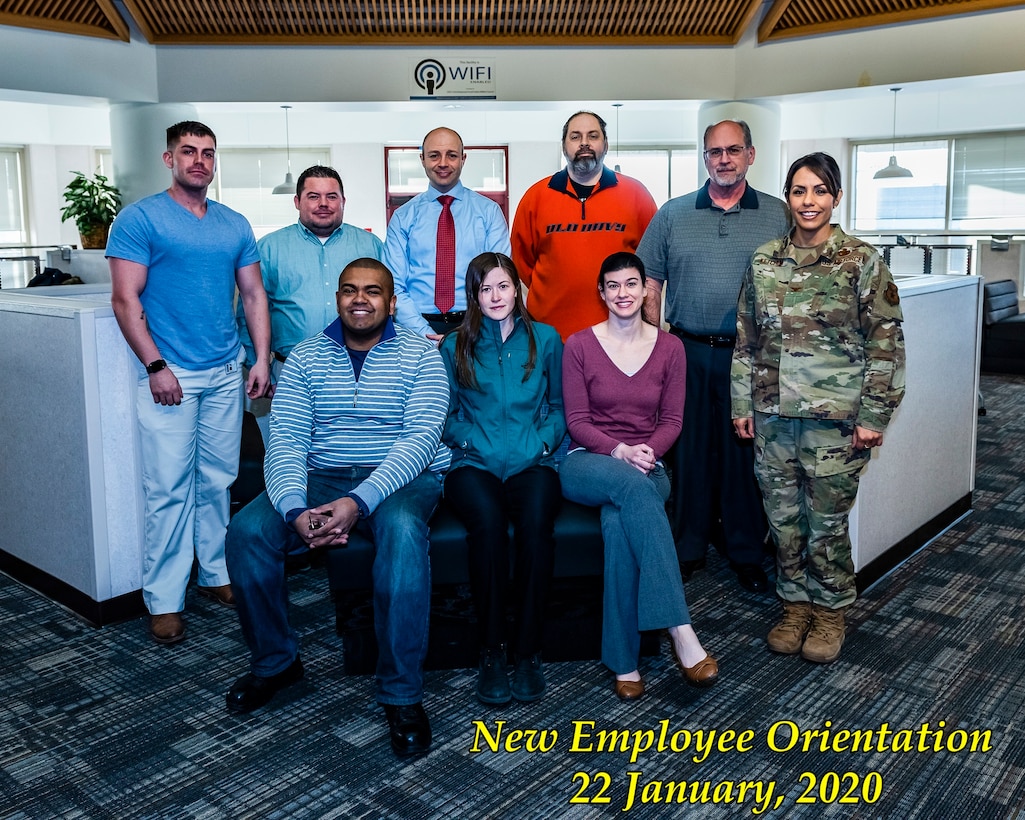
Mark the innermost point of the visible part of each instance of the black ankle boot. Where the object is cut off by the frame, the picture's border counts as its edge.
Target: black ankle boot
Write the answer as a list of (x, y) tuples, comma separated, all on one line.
[(492, 680)]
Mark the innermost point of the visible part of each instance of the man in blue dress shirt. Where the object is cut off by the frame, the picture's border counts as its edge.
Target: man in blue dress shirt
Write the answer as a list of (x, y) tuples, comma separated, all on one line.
[(411, 248), (300, 264)]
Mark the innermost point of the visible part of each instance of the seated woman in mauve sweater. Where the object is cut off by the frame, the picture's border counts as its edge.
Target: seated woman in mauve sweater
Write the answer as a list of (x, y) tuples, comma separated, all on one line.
[(623, 389)]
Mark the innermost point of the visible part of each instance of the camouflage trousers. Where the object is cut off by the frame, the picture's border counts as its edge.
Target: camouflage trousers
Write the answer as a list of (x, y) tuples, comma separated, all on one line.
[(808, 473)]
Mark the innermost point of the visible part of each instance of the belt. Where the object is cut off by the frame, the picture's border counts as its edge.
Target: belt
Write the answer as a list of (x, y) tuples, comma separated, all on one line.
[(453, 317), (711, 341), (280, 357)]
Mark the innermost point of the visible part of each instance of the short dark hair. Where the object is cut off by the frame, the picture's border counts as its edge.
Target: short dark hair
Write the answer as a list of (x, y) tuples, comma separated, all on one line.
[(748, 143), (601, 124), (318, 172), (621, 260), (187, 127), (820, 164), (368, 263)]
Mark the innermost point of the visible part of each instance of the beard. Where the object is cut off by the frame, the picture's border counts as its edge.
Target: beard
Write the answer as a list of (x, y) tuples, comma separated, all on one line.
[(584, 165)]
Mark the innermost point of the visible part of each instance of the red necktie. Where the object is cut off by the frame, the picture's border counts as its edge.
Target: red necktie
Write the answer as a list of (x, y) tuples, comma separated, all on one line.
[(445, 266)]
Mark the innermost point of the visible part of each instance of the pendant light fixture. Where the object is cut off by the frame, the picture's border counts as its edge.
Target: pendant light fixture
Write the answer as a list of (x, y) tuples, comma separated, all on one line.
[(288, 186), (617, 106), (893, 170)]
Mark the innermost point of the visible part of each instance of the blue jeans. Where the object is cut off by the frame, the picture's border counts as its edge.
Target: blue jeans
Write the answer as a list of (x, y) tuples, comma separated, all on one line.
[(259, 540), (643, 588)]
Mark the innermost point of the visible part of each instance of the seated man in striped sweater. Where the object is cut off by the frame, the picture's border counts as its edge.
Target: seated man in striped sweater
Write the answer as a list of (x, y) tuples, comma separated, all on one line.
[(355, 446)]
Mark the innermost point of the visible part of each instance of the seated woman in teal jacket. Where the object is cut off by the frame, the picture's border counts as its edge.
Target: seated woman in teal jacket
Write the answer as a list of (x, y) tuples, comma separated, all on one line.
[(505, 420)]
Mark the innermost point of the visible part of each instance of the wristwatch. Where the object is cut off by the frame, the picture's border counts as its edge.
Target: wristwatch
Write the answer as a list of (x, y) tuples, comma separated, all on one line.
[(155, 366)]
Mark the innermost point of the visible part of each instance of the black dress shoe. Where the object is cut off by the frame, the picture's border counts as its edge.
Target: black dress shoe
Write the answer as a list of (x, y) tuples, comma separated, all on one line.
[(409, 728), (251, 691), (492, 679), (752, 577), (688, 568), (528, 679)]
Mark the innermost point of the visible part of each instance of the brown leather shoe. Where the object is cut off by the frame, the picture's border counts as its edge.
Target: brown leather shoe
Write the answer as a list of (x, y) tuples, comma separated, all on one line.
[(703, 674), (221, 595), (629, 689), (167, 628)]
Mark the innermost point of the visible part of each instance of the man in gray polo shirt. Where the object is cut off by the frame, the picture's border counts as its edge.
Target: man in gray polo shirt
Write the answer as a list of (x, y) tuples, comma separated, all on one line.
[(698, 246)]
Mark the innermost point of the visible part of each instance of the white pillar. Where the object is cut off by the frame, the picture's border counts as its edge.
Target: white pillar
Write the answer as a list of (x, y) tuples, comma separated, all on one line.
[(763, 118), (138, 139)]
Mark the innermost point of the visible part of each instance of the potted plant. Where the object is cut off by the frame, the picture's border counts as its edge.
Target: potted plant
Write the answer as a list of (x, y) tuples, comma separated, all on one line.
[(93, 203)]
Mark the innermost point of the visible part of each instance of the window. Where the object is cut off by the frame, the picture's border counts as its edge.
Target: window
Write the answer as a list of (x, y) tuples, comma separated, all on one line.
[(902, 204), (486, 171), (246, 177), (988, 183), (970, 184), (666, 171), (12, 198)]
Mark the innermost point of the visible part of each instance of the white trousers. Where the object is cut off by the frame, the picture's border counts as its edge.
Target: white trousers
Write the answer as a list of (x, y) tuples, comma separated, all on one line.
[(190, 455)]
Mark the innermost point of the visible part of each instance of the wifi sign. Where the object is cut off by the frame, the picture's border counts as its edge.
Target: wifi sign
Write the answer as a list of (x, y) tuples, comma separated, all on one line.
[(461, 78)]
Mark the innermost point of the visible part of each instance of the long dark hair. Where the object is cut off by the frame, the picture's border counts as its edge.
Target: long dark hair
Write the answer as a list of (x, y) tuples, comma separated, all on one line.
[(468, 333)]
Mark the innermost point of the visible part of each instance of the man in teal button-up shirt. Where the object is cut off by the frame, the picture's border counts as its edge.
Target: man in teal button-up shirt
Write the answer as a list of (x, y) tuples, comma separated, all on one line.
[(300, 266)]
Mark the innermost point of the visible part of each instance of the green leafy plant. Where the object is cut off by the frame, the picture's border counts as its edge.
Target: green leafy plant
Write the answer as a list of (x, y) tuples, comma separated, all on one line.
[(93, 203)]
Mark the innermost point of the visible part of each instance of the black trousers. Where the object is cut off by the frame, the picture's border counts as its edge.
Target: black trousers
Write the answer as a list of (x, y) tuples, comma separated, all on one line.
[(485, 505), (715, 495)]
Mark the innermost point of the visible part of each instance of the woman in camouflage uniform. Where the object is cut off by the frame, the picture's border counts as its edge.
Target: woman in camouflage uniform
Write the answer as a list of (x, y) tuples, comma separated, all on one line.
[(818, 369)]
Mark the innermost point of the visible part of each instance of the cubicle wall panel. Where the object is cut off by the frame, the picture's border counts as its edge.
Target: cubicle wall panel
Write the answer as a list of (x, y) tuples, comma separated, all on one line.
[(118, 498), (926, 465), (45, 504)]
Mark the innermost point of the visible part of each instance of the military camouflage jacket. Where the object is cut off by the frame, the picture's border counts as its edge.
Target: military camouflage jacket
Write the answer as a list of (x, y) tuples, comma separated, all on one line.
[(819, 334)]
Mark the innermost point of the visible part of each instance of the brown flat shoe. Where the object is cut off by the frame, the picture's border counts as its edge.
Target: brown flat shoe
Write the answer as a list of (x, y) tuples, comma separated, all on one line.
[(704, 673), (167, 628), (629, 689), (221, 595)]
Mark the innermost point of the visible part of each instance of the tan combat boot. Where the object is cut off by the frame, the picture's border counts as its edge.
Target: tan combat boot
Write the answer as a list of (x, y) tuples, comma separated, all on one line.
[(787, 636), (825, 637)]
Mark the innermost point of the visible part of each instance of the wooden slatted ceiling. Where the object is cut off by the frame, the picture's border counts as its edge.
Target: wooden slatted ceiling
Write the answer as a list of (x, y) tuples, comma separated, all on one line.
[(94, 18), (478, 22), (803, 18), (412, 22)]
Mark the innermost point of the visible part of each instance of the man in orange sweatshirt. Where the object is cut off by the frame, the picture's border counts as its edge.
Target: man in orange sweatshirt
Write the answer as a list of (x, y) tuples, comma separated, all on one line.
[(568, 223)]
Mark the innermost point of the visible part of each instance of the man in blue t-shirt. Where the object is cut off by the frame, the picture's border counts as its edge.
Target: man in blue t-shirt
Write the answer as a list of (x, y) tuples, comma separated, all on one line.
[(175, 261)]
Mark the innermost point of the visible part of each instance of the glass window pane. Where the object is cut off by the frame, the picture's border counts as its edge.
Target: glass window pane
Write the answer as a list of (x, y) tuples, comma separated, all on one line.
[(988, 183), (12, 198), (916, 203), (683, 171), (484, 170), (650, 166), (245, 179)]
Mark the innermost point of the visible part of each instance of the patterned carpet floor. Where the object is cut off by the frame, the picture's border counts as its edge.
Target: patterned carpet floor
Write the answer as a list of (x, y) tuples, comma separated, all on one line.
[(102, 723)]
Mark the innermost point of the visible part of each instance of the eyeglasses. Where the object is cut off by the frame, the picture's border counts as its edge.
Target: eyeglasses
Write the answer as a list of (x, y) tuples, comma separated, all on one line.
[(733, 151)]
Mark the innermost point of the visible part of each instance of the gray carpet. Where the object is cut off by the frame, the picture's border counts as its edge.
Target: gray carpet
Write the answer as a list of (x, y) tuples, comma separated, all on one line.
[(105, 724)]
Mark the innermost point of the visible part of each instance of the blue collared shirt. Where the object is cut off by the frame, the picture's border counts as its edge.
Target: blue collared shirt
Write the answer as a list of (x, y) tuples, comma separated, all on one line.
[(411, 248), (300, 275)]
